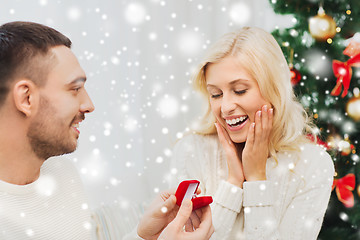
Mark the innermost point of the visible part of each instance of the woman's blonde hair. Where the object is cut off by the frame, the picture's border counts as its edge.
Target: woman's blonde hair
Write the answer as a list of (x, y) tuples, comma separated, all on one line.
[(260, 55)]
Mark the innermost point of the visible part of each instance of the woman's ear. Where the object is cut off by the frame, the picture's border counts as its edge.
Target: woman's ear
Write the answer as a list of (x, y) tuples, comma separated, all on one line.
[(25, 96)]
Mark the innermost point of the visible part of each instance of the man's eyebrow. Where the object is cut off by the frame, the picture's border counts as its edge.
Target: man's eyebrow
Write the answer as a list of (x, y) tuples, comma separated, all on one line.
[(79, 79)]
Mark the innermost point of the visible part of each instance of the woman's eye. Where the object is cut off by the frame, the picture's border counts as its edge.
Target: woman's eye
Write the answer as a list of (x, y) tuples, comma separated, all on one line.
[(216, 95), (240, 92)]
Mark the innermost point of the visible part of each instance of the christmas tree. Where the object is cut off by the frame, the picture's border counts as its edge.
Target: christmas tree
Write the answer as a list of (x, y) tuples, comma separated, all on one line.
[(323, 52)]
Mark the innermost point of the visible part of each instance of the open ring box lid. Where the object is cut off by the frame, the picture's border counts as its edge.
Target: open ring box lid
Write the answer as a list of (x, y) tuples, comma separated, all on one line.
[(187, 190)]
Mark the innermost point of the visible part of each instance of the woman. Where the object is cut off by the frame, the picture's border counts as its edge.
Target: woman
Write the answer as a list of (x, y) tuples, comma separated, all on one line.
[(252, 154)]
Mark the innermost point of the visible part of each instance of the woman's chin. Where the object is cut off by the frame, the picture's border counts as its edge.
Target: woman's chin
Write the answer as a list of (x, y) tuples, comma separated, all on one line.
[(237, 139)]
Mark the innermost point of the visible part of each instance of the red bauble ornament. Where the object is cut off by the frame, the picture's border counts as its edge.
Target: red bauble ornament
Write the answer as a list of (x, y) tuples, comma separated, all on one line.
[(295, 76)]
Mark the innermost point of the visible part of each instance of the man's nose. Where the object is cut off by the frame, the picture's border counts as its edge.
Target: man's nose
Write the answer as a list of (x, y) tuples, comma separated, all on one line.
[(87, 106)]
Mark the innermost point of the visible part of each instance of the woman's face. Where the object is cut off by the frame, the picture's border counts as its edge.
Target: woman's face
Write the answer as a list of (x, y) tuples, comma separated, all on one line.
[(234, 97)]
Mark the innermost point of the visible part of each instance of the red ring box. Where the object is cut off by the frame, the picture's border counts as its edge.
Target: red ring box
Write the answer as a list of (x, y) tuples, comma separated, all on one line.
[(187, 190)]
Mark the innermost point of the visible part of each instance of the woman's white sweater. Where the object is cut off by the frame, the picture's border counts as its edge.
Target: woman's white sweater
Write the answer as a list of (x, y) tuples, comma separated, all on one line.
[(290, 204)]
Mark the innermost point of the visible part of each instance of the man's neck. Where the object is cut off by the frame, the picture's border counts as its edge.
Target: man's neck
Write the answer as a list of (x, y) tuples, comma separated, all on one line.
[(19, 170), (18, 163)]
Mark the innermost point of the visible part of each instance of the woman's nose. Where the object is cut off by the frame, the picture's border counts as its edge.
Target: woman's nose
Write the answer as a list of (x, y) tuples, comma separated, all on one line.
[(228, 105)]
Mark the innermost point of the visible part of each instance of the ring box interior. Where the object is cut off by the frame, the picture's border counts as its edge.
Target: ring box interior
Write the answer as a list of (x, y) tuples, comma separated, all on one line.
[(187, 190)]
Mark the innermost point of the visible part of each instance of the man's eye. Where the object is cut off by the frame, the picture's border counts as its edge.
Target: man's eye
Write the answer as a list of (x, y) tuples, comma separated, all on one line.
[(77, 89)]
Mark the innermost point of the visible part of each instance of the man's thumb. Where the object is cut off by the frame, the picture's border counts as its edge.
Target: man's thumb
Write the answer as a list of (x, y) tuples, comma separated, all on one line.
[(183, 214)]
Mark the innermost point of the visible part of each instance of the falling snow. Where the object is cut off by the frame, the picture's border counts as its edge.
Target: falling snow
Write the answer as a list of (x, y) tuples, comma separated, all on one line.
[(139, 57)]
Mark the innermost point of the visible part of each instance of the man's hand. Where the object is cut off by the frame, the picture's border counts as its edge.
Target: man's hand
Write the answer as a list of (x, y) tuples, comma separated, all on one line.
[(202, 230), (164, 217), (158, 215)]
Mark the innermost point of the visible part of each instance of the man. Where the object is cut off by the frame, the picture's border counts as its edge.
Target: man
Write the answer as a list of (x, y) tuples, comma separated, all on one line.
[(42, 102)]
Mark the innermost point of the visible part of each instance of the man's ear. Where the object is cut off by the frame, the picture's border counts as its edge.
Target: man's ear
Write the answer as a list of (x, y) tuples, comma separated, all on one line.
[(25, 96)]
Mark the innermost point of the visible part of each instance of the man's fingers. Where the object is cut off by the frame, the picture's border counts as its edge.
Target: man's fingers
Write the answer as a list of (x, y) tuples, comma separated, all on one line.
[(183, 214), (189, 226), (168, 205), (167, 193), (195, 219), (199, 212), (205, 228), (206, 214)]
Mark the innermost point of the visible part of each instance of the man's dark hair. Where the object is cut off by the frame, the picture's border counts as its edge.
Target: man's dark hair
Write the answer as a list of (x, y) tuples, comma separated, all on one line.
[(24, 53)]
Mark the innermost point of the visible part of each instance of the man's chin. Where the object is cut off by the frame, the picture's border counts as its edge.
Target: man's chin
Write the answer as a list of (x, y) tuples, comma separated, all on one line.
[(60, 151), (72, 148)]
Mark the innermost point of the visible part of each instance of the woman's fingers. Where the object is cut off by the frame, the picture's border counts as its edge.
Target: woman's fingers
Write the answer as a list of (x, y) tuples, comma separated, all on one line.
[(255, 152), (258, 127), (250, 137), (270, 119), (225, 140), (223, 135), (264, 118), (227, 143), (236, 175), (263, 125)]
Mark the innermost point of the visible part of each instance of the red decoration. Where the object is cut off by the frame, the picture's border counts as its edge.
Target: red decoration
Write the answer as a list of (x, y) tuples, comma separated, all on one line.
[(346, 152), (344, 187), (352, 49), (343, 72), (187, 189), (319, 141), (295, 76)]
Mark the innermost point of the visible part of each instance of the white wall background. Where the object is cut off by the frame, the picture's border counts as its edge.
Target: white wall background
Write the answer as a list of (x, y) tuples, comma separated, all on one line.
[(138, 56)]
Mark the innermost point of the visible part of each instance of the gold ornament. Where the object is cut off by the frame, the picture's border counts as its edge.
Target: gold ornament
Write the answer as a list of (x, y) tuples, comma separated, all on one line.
[(344, 146), (358, 190), (322, 27), (333, 141), (353, 106)]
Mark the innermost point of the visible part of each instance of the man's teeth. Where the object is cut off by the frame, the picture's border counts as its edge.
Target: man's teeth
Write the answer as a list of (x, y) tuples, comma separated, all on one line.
[(76, 125), (236, 120)]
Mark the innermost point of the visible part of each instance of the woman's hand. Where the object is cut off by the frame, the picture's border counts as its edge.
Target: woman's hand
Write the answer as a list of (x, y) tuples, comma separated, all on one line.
[(236, 175), (252, 164), (256, 150)]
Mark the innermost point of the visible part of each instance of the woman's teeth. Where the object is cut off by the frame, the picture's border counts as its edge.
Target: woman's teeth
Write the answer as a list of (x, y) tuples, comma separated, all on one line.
[(236, 121)]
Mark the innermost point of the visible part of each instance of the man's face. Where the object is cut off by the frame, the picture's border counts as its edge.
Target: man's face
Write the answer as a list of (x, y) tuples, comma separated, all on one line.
[(63, 104)]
